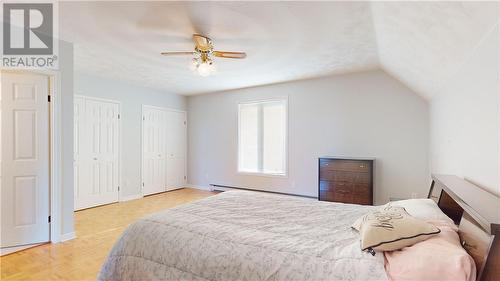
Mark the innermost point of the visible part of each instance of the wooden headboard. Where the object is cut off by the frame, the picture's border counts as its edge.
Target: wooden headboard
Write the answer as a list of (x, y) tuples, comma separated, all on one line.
[(477, 214)]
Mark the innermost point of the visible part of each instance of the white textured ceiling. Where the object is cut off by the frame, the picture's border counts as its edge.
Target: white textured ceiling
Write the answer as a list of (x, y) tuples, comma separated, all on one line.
[(420, 43), (424, 43), (283, 41)]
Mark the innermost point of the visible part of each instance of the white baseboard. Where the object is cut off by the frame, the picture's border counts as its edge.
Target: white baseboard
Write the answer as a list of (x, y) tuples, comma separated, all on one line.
[(130, 197), (67, 236), (201, 187), (10, 250)]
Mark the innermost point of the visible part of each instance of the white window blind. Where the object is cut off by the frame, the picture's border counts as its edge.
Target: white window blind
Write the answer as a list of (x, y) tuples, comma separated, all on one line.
[(262, 133)]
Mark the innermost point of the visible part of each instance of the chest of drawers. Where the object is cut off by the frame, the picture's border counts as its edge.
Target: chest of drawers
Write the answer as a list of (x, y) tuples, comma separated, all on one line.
[(346, 180)]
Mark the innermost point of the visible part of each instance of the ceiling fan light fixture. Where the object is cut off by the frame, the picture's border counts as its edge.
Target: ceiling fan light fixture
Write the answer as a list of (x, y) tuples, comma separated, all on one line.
[(204, 51), (205, 68), (194, 65)]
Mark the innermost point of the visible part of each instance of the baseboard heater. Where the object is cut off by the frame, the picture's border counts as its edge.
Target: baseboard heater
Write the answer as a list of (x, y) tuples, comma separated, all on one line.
[(219, 186)]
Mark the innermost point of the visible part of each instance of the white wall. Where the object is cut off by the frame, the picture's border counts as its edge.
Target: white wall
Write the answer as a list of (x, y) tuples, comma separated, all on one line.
[(465, 118), (66, 103), (366, 114), (131, 98)]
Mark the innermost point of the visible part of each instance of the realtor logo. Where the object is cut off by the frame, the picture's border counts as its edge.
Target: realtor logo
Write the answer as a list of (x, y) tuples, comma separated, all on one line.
[(28, 29), (29, 35)]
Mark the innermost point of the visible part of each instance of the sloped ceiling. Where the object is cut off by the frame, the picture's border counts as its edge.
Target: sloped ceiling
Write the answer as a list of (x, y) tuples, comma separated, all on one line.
[(424, 43), (419, 43)]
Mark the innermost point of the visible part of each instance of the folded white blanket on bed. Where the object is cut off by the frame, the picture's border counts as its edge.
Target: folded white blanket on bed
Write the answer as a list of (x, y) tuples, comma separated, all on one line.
[(243, 235)]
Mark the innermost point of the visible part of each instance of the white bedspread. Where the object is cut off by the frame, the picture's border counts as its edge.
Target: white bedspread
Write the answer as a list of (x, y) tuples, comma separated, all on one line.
[(242, 235)]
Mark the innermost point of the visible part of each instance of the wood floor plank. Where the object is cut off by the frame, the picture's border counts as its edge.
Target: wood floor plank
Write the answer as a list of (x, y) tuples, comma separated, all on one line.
[(97, 229)]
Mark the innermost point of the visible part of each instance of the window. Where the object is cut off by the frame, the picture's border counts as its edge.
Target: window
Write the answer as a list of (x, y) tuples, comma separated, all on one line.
[(262, 133)]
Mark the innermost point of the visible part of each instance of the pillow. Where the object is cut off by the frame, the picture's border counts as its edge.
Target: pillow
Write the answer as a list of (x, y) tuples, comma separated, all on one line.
[(439, 258), (425, 209), (391, 228)]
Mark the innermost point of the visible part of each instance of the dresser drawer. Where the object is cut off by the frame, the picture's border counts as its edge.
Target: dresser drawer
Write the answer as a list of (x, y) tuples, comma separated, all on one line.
[(332, 175), (362, 189), (340, 186), (345, 165), (361, 200), (336, 196), (365, 178)]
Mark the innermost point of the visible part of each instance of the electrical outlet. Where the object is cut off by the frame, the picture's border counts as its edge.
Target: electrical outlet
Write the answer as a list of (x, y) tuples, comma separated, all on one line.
[(413, 195)]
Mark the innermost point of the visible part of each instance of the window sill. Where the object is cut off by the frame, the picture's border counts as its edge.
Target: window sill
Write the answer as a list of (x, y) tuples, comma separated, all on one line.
[(258, 174)]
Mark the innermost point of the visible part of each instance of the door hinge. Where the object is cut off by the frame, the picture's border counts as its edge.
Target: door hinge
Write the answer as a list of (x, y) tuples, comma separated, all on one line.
[(143, 118), (49, 219), (142, 184), (185, 177), (118, 116), (118, 188), (48, 98)]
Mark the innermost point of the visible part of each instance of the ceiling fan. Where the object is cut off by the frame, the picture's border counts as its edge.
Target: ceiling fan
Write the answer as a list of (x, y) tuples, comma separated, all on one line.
[(203, 53)]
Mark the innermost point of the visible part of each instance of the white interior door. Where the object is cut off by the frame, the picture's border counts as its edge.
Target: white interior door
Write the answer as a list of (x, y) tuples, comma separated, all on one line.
[(176, 149), (153, 150), (25, 159), (97, 152)]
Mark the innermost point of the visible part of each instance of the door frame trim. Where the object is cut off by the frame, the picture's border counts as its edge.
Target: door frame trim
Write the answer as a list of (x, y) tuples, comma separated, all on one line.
[(120, 137), (141, 187), (55, 153)]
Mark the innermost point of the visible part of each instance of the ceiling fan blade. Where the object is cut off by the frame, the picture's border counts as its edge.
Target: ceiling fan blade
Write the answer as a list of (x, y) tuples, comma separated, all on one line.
[(203, 43), (177, 53), (229, 55)]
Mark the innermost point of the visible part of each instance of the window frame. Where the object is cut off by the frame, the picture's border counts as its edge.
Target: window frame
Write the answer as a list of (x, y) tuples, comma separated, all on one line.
[(287, 126)]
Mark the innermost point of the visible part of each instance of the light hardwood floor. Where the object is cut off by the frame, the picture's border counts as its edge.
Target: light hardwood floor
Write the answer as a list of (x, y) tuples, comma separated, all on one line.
[(97, 229)]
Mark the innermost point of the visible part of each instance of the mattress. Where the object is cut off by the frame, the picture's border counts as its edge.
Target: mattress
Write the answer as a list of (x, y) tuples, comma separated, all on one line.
[(244, 235)]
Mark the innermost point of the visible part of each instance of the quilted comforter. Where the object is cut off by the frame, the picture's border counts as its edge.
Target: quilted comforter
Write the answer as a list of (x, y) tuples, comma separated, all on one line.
[(243, 235)]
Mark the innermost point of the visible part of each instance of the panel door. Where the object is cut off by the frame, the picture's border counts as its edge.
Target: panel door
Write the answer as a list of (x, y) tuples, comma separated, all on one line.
[(176, 149), (25, 159), (98, 153), (153, 148)]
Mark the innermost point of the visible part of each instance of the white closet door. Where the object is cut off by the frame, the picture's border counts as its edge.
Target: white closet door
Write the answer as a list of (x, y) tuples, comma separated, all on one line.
[(153, 149), (176, 149), (98, 153), (25, 163)]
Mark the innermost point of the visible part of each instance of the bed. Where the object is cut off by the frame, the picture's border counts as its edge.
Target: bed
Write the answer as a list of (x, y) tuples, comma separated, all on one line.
[(244, 235)]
